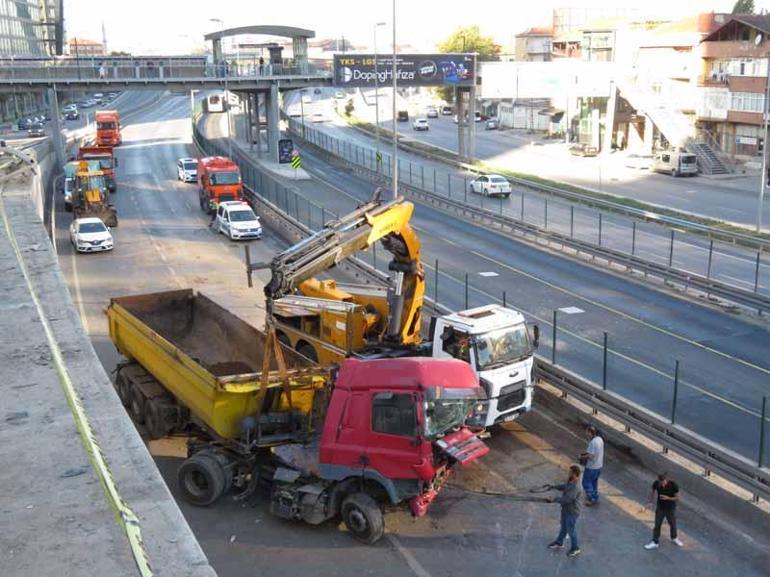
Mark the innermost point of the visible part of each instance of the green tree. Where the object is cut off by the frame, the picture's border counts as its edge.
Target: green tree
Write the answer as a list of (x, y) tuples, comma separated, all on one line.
[(467, 39), (743, 7)]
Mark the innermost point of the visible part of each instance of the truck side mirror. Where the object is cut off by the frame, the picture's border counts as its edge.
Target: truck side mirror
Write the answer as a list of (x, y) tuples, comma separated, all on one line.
[(535, 336)]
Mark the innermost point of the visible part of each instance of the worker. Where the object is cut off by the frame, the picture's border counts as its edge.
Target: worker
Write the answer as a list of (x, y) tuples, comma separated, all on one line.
[(593, 461), (570, 511), (665, 508)]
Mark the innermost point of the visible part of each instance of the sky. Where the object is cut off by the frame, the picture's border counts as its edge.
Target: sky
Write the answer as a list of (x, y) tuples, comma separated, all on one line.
[(178, 26)]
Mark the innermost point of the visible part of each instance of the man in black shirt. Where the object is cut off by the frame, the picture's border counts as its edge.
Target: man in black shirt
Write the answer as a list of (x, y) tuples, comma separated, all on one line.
[(668, 495)]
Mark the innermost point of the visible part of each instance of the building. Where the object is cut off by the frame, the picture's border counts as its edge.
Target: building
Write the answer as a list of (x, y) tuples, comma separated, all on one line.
[(84, 48), (568, 23), (732, 83), (28, 29), (533, 45)]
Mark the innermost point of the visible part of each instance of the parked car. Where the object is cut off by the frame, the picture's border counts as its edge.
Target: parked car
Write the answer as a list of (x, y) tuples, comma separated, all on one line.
[(236, 220), (187, 170), (36, 130), (583, 149), (24, 123), (675, 163), (492, 124), (491, 185), (447, 111), (431, 112), (90, 235), (420, 124)]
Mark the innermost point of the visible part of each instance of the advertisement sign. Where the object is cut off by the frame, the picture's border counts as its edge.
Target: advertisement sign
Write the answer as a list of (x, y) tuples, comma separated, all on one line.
[(357, 70), (285, 150)]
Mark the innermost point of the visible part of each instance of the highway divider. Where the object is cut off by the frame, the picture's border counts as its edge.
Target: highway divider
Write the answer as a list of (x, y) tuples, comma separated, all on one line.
[(495, 219), (293, 216)]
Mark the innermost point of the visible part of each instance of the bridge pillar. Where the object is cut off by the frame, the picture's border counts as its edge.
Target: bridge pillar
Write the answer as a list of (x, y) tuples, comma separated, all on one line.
[(609, 120), (258, 124), (460, 111), (56, 135), (273, 118)]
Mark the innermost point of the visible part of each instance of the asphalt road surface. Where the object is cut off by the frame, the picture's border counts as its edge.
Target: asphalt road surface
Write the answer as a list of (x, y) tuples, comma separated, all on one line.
[(163, 242)]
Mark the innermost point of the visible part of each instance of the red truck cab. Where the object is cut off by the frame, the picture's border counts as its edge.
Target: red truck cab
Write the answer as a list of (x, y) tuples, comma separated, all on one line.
[(107, 162), (108, 128), (219, 179)]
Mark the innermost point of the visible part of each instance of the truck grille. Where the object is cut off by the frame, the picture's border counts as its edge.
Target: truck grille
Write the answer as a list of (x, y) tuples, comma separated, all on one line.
[(511, 396)]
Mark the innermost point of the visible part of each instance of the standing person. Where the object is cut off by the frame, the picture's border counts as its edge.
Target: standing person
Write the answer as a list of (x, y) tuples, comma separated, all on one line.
[(102, 70), (261, 66), (570, 511), (665, 508), (593, 460)]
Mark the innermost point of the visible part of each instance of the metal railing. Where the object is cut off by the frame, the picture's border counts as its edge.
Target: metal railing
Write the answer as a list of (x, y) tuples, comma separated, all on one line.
[(295, 216), (424, 188)]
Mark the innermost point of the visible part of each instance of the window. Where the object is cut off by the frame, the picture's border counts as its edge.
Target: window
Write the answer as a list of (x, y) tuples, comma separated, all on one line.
[(666, 158), (457, 344), (747, 101), (394, 414)]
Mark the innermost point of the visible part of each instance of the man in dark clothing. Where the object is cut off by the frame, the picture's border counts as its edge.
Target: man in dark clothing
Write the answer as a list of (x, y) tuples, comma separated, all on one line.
[(668, 495), (570, 511)]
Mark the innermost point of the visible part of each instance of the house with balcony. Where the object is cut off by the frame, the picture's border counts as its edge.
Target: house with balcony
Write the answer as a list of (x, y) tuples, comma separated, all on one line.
[(732, 83), (533, 45)]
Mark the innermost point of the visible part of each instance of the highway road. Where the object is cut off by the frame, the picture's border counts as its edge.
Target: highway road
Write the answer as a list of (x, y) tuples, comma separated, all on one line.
[(722, 356), (732, 265), (163, 242)]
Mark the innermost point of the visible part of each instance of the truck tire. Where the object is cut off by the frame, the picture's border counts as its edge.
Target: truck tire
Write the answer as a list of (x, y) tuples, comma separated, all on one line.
[(137, 404), (123, 386), (363, 517), (154, 419), (201, 479)]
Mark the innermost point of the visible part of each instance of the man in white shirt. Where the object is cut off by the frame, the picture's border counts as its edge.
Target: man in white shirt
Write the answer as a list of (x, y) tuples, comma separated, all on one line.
[(594, 461)]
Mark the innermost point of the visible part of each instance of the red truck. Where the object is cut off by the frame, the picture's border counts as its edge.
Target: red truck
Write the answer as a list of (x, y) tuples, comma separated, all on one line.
[(108, 128), (107, 162), (219, 179)]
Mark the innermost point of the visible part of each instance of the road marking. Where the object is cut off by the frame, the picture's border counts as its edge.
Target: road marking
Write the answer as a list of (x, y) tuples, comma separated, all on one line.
[(488, 274), (78, 294), (410, 559)]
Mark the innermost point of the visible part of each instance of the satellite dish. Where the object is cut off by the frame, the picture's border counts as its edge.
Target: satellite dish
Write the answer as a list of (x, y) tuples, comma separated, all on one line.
[(758, 39)]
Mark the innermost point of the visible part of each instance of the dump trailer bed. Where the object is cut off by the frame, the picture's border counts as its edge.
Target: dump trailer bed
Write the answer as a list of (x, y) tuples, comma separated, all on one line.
[(208, 359)]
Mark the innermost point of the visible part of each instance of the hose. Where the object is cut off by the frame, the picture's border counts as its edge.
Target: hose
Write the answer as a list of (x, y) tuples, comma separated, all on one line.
[(525, 497)]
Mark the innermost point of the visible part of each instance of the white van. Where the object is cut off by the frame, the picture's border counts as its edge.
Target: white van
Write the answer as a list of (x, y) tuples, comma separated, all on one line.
[(236, 220), (675, 163)]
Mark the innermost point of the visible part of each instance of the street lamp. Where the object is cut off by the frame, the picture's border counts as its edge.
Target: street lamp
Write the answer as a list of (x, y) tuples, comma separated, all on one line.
[(376, 98), (302, 108), (227, 98), (766, 111), (395, 132)]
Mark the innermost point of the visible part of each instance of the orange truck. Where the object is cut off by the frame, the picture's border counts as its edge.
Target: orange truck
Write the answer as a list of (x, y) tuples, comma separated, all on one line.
[(219, 179), (108, 128), (107, 162)]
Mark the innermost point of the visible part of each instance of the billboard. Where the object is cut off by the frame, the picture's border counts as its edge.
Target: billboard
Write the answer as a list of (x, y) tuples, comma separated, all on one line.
[(357, 70)]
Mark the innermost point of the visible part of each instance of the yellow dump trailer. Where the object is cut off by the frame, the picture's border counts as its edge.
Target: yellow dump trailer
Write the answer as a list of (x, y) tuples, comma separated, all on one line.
[(193, 365)]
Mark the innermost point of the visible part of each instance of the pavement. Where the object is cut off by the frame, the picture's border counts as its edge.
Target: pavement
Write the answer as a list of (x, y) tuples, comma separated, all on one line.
[(56, 517)]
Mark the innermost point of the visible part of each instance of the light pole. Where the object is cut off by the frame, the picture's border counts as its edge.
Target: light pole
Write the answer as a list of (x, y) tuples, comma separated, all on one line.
[(763, 176), (227, 98), (377, 99), (395, 133), (302, 109)]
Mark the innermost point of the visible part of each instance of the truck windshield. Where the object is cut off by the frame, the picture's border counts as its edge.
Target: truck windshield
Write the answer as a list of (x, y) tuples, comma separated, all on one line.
[(105, 126), (446, 409), (502, 347), (225, 178)]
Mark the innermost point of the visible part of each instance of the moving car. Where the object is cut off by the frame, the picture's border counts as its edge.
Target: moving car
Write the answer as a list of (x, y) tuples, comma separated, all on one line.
[(420, 124), (236, 219), (187, 169), (90, 235), (675, 163), (339, 95), (431, 112), (36, 130), (447, 111), (72, 114), (318, 117), (492, 124), (402, 116), (583, 149), (491, 185)]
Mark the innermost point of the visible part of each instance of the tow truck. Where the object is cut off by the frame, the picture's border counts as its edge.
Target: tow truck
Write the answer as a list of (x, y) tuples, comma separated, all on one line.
[(326, 321)]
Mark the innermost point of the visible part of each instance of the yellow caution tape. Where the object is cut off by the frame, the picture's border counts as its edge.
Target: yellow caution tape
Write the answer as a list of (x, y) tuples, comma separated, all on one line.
[(123, 513)]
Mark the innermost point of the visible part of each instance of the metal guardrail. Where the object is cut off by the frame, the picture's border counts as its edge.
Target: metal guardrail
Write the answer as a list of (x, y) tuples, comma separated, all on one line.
[(508, 225), (709, 455)]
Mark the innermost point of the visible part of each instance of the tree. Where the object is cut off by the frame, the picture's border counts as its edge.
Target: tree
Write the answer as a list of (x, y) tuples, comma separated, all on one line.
[(743, 7), (467, 39)]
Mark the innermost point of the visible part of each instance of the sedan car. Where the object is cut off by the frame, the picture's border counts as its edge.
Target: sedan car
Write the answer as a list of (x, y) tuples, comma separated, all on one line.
[(187, 170), (318, 117), (72, 114), (420, 124), (492, 124), (583, 149), (491, 185), (36, 130), (431, 112), (90, 235)]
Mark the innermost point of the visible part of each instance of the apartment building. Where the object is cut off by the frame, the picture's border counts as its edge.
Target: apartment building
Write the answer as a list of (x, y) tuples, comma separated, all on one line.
[(533, 45), (732, 83)]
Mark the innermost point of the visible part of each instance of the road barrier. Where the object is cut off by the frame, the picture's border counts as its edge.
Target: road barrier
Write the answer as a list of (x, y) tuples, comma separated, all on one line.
[(294, 216), (363, 161)]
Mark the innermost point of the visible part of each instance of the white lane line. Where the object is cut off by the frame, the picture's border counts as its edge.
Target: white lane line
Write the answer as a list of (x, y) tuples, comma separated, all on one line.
[(78, 293), (410, 559)]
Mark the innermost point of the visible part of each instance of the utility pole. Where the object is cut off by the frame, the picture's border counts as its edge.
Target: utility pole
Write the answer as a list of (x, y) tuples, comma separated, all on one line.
[(377, 99), (763, 176), (395, 132)]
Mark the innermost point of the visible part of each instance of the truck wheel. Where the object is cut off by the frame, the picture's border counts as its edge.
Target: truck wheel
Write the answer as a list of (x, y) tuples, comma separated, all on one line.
[(154, 421), (363, 517), (137, 405), (123, 387), (201, 479)]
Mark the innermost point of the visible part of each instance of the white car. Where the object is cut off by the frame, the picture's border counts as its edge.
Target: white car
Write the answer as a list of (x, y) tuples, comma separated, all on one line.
[(318, 117), (420, 124), (236, 219), (90, 235), (491, 185), (187, 170)]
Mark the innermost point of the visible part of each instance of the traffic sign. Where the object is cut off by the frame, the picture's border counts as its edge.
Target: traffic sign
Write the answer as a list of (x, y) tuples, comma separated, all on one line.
[(296, 160), (285, 150)]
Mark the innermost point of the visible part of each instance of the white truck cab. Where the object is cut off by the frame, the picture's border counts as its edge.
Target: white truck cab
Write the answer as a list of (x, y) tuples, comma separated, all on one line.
[(495, 341)]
